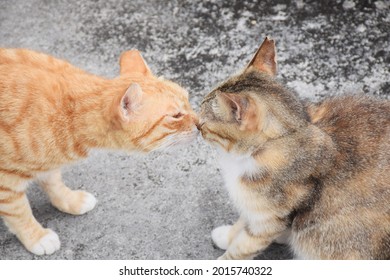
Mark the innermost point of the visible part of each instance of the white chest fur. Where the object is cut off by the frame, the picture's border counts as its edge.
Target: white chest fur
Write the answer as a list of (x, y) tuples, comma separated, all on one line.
[(254, 208), (232, 168)]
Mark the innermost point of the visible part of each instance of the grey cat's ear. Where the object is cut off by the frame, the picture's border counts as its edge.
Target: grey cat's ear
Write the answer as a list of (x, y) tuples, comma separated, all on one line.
[(264, 59), (130, 101), (133, 62), (236, 104), (242, 109)]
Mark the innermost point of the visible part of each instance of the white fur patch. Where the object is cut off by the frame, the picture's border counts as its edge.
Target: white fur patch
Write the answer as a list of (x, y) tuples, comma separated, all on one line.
[(248, 203), (21, 187), (232, 168), (47, 245), (88, 204), (46, 176), (220, 236), (260, 222)]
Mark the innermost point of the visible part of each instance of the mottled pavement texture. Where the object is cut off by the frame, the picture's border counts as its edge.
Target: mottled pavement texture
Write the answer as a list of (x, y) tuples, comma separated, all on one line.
[(164, 206)]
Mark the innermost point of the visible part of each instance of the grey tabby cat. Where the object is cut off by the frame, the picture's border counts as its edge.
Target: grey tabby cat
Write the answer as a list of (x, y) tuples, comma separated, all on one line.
[(315, 174)]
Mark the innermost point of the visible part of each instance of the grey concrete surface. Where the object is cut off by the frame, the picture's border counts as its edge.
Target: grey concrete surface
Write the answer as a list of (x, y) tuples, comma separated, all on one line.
[(163, 206)]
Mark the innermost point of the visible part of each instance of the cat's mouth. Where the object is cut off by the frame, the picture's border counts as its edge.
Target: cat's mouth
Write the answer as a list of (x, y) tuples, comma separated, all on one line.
[(178, 140), (212, 137)]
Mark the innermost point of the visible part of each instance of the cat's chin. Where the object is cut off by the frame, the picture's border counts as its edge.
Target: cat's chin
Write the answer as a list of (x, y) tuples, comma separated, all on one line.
[(215, 144), (176, 142)]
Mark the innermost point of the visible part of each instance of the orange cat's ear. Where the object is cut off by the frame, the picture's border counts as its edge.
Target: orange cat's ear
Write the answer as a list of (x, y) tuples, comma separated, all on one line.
[(124, 107), (133, 62), (264, 59), (242, 108), (130, 101)]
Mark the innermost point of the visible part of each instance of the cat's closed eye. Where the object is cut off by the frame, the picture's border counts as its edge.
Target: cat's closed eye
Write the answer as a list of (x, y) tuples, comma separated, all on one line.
[(178, 116)]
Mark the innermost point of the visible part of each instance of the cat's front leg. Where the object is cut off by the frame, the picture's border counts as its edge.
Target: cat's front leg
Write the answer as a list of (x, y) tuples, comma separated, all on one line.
[(246, 245), (63, 198), (254, 237), (284, 237), (222, 236), (17, 215)]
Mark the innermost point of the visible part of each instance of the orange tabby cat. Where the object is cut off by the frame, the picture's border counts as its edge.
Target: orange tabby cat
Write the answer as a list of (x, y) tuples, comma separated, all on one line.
[(52, 113)]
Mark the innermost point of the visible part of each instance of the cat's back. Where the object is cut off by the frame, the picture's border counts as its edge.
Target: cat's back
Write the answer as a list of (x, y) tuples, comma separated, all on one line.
[(34, 61), (39, 98), (27, 78), (25, 72), (353, 202), (360, 129), (358, 125), (357, 109), (37, 76)]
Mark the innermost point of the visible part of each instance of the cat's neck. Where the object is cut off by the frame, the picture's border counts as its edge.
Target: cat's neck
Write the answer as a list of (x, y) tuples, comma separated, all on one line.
[(90, 103)]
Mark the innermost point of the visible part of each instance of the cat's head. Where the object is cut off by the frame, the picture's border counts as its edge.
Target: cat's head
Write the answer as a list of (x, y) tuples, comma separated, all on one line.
[(249, 109), (151, 113)]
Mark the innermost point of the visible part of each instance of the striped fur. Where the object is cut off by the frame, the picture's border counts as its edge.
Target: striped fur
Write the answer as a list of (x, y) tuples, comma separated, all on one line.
[(314, 174), (52, 113)]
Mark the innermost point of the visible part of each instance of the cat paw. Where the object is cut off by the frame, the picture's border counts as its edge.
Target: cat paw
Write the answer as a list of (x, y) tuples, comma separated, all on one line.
[(75, 203), (220, 236), (89, 202), (225, 257), (47, 245)]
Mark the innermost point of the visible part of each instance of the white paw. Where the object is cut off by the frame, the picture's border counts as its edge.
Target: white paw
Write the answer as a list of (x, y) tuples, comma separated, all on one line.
[(89, 202), (225, 256), (220, 236), (47, 245)]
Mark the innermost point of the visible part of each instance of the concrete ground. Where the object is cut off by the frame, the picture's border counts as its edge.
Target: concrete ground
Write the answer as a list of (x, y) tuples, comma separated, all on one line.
[(164, 206)]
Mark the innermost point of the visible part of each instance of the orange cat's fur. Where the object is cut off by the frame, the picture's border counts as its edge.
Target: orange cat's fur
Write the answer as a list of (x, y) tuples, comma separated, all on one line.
[(52, 113)]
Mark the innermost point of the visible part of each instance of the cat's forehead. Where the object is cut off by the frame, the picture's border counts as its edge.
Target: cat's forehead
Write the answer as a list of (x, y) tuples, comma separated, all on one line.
[(171, 95), (246, 81), (167, 85), (240, 83), (178, 103)]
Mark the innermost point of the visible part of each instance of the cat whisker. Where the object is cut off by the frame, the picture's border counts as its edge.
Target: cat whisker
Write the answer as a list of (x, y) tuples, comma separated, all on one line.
[(176, 140)]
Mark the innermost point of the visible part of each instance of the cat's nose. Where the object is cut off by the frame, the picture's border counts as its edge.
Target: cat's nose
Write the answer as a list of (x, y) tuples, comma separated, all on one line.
[(195, 119), (199, 125)]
